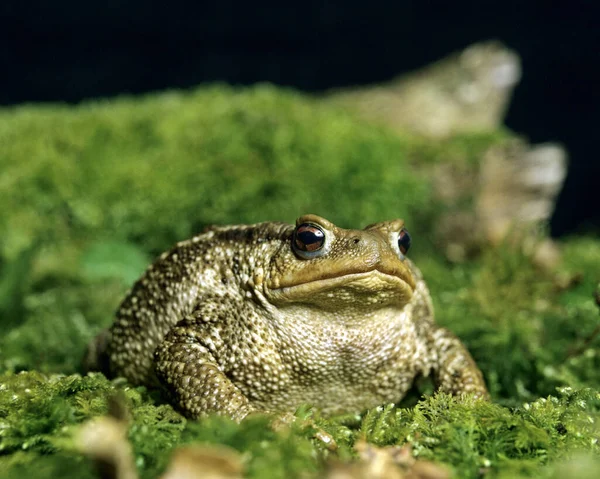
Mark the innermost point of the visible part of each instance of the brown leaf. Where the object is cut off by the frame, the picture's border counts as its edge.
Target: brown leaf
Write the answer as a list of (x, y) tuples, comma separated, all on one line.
[(206, 462), (390, 462), (105, 441)]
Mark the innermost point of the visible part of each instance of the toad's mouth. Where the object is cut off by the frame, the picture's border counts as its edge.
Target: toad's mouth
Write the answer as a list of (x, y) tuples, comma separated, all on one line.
[(372, 283), (328, 277)]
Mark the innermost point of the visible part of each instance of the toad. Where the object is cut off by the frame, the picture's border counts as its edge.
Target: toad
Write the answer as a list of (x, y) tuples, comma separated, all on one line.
[(266, 317)]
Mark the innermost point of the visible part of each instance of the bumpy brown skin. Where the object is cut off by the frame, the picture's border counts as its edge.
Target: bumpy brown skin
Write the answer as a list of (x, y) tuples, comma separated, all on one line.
[(235, 320)]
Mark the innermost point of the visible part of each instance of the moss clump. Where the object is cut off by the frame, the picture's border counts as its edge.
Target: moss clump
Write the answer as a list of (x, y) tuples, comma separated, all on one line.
[(91, 193), (472, 436), (186, 160), (527, 333), (39, 416)]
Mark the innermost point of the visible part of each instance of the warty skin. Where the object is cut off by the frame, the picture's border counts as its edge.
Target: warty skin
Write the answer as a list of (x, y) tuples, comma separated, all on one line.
[(241, 319)]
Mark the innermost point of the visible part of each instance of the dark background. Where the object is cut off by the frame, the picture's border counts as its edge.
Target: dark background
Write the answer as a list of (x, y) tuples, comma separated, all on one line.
[(73, 50)]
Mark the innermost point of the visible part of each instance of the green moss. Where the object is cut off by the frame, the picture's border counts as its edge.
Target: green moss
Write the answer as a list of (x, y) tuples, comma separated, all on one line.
[(91, 193), (39, 415), (473, 435), (528, 335), (212, 156)]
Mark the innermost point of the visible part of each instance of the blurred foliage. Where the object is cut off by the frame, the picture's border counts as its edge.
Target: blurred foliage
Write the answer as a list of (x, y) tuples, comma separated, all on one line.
[(91, 193)]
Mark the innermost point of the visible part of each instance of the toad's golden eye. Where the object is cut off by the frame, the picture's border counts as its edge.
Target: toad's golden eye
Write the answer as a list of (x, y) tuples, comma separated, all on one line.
[(308, 238), (403, 241)]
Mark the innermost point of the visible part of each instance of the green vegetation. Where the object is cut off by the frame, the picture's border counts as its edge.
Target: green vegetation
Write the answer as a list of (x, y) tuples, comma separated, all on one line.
[(90, 194)]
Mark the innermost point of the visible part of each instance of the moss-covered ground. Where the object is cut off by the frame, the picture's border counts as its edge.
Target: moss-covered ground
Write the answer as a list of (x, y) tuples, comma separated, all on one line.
[(90, 194)]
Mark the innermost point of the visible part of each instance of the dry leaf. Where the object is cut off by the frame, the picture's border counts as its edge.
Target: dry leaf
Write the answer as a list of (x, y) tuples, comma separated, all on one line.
[(390, 462), (206, 462)]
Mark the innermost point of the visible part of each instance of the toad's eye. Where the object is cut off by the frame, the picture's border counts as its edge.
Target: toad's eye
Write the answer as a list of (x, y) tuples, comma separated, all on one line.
[(308, 238), (403, 241)]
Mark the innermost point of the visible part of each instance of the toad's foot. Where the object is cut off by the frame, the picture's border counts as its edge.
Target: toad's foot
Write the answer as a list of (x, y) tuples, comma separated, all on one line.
[(455, 371)]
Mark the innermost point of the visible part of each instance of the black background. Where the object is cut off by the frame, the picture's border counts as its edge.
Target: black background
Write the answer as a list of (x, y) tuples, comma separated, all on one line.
[(73, 50)]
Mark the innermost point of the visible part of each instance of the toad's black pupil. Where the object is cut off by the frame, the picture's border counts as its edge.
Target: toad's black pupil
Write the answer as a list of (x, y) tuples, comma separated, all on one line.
[(404, 241), (309, 237)]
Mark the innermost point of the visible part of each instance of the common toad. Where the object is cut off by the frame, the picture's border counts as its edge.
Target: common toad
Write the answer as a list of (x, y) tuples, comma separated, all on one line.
[(268, 316)]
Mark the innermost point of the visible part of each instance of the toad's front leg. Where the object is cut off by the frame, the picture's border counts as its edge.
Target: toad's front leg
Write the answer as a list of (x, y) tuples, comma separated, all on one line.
[(189, 372), (455, 371), (192, 377)]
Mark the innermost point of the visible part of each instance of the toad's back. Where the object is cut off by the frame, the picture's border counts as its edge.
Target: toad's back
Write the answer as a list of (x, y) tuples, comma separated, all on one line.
[(205, 269)]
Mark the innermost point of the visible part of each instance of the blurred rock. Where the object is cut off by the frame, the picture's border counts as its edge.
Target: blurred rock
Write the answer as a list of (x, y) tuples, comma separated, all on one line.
[(518, 185), (510, 195), (514, 187), (465, 92)]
